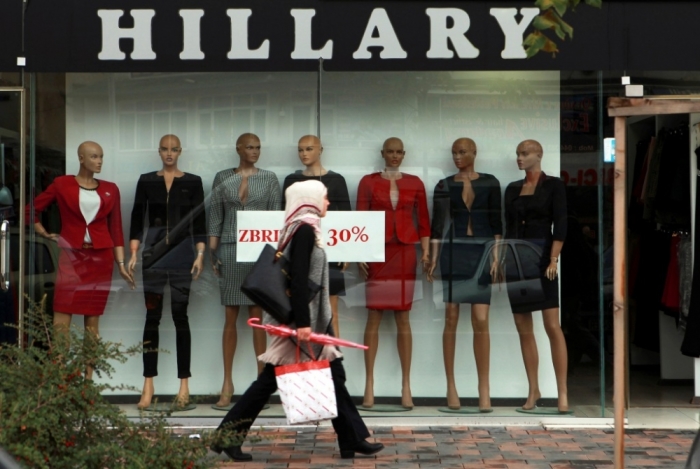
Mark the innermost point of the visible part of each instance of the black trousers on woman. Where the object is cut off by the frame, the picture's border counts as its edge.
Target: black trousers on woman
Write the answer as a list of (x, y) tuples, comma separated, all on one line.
[(154, 285), (348, 425)]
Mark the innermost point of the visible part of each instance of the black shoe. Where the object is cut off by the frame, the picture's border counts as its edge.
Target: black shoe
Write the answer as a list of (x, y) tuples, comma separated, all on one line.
[(233, 452), (363, 447)]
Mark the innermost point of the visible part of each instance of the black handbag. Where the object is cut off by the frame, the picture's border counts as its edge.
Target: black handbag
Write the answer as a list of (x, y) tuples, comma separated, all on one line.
[(267, 285)]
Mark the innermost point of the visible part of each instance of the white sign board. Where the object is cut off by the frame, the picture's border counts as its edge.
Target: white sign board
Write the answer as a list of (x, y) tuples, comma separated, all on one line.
[(348, 236)]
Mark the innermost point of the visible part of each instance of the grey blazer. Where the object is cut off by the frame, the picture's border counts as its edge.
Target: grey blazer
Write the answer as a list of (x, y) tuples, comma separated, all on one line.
[(263, 194)]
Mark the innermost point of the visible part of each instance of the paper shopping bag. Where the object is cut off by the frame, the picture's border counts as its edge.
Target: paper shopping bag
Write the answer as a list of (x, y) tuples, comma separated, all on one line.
[(307, 392)]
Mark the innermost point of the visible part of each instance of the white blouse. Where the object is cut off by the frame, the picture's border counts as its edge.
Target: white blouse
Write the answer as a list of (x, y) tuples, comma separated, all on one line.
[(89, 206)]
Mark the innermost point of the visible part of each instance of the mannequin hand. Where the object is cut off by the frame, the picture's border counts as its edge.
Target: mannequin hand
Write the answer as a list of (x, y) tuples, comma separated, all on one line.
[(363, 269), (127, 277), (431, 270), (216, 265), (51, 236), (132, 264), (425, 263), (197, 267), (496, 272), (345, 266), (551, 272), (304, 333)]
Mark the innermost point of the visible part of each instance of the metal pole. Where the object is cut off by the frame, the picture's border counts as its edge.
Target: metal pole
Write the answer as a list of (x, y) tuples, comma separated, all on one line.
[(318, 97), (22, 218), (601, 248), (620, 288)]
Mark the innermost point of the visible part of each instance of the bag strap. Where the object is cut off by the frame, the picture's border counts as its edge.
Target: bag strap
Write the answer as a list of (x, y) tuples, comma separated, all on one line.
[(298, 354)]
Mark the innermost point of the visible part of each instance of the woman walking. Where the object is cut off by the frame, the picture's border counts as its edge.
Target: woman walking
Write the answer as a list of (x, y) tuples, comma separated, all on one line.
[(301, 242)]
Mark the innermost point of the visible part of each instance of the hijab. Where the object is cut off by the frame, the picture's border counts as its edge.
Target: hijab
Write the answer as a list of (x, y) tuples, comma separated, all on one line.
[(305, 202)]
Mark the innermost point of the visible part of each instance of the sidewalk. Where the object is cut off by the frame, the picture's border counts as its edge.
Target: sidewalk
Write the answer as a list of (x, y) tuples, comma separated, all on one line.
[(475, 447)]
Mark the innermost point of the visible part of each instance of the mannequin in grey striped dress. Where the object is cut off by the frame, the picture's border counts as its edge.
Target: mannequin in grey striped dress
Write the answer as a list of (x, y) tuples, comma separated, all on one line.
[(243, 188)]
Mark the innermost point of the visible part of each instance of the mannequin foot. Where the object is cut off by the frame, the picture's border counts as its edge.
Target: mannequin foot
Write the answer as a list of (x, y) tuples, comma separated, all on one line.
[(226, 395), (406, 398), (531, 402), (183, 396), (146, 394), (484, 401), (453, 398), (368, 399), (563, 403)]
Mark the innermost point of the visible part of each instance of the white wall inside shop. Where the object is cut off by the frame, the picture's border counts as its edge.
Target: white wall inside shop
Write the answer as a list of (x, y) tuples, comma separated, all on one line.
[(128, 113)]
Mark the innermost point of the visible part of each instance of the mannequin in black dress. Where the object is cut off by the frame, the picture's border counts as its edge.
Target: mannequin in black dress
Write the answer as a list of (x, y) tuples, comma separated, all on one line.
[(535, 209), (466, 216), (310, 151)]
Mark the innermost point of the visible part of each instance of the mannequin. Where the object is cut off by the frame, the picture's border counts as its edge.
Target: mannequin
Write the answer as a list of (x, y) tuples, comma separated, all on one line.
[(535, 209), (91, 240), (174, 201), (468, 205), (310, 150), (245, 187), (390, 283)]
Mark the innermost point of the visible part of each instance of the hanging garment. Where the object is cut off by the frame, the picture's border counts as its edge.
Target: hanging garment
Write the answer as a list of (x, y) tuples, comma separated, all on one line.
[(671, 299), (672, 203), (685, 264), (691, 340)]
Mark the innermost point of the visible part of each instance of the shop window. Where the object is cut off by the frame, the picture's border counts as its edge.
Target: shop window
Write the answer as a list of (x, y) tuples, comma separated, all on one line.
[(142, 123), (223, 118)]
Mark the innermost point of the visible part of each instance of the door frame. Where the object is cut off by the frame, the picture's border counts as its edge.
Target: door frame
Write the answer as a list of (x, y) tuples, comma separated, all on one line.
[(22, 203)]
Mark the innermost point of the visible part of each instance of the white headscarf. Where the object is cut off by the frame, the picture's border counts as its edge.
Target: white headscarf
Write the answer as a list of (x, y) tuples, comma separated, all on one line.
[(305, 202)]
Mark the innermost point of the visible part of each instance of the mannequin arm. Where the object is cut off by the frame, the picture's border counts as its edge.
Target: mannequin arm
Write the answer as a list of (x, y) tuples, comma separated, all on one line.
[(434, 252), (119, 259), (134, 248), (41, 231), (213, 246), (425, 258), (198, 264), (554, 259), (496, 271)]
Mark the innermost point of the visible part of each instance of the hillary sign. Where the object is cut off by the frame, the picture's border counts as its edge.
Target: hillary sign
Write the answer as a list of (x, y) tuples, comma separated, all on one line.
[(347, 236)]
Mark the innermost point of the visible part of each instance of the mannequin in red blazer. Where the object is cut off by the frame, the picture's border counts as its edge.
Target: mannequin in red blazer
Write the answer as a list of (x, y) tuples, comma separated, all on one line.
[(390, 284), (88, 249)]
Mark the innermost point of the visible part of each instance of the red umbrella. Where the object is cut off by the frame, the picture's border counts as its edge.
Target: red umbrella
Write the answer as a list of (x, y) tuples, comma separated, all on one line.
[(284, 331)]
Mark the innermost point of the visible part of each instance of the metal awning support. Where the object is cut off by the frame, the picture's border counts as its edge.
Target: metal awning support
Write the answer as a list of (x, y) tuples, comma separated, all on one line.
[(621, 109)]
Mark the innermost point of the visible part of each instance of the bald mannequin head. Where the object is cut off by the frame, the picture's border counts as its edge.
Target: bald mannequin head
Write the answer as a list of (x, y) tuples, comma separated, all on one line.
[(310, 150), (169, 150), (529, 154), (464, 154), (248, 148), (90, 155), (393, 153)]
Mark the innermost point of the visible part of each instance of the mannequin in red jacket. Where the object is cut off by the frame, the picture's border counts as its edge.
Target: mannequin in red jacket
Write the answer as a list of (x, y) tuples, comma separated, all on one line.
[(91, 240), (390, 284)]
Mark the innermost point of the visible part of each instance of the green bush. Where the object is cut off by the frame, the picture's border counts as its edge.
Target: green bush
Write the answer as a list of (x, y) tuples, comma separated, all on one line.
[(52, 417)]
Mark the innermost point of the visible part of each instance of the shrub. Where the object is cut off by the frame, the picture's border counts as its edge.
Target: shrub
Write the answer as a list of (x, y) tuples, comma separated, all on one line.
[(52, 417)]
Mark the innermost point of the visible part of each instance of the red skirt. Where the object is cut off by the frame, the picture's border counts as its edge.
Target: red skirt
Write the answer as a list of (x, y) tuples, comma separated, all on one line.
[(390, 284), (83, 281)]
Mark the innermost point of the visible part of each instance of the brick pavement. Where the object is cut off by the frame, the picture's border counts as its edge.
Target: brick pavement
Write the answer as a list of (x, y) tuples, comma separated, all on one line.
[(471, 448)]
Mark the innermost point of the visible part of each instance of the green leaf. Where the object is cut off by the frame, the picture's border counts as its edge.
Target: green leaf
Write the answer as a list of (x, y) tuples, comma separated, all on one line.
[(574, 3), (595, 3), (559, 5), (551, 20), (536, 42)]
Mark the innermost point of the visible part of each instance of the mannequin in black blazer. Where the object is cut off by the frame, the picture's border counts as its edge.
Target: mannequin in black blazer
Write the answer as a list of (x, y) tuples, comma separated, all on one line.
[(535, 210)]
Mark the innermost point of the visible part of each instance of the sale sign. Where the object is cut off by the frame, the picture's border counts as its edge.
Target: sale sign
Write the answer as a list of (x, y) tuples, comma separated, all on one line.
[(347, 236)]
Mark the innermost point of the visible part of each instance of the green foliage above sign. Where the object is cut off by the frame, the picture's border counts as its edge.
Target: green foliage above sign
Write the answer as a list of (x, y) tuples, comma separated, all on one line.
[(550, 20)]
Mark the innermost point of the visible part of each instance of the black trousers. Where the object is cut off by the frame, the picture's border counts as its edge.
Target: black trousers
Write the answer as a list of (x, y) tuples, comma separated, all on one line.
[(154, 285), (348, 425)]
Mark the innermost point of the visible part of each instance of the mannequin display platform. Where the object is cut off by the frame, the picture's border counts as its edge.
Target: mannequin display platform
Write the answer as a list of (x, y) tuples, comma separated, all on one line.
[(310, 152), (91, 240), (245, 187), (466, 222), (390, 284), (175, 240), (535, 211)]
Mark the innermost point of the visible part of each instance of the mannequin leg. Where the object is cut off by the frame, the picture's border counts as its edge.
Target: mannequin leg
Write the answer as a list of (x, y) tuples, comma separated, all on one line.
[(259, 336), (528, 347), (482, 352), (92, 326), (229, 342), (404, 342), (180, 283), (153, 285), (374, 318), (61, 322), (449, 342), (557, 342), (334, 309), (146, 393)]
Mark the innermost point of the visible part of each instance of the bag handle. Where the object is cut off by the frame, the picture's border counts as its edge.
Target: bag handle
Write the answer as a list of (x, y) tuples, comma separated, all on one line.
[(311, 352)]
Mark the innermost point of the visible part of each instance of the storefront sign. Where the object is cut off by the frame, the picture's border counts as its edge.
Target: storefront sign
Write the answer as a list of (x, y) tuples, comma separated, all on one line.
[(347, 236), (276, 35)]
